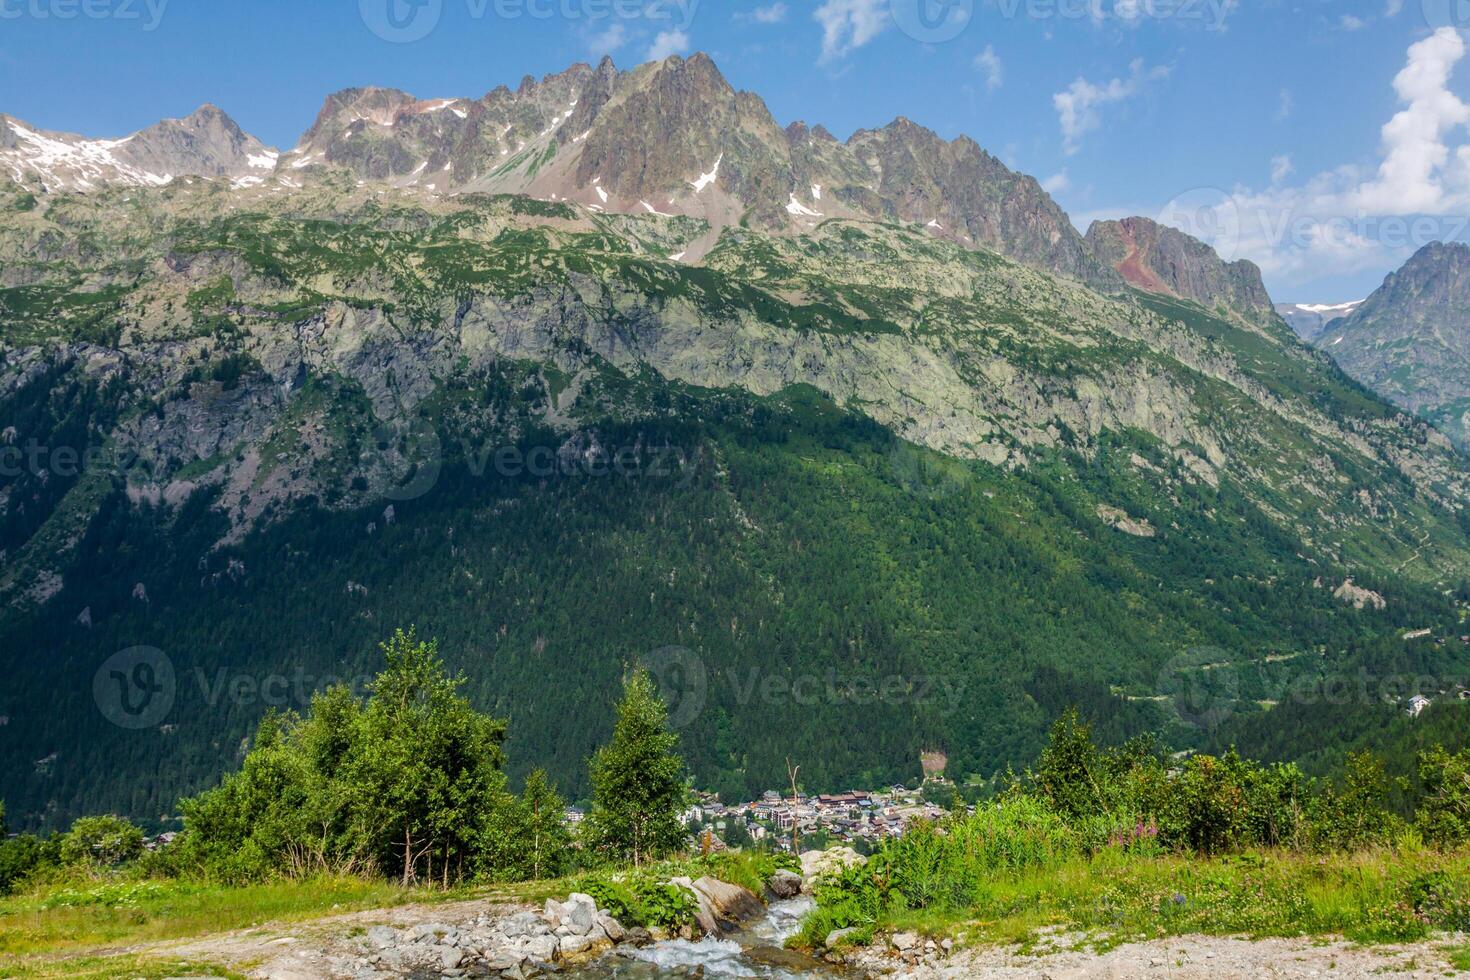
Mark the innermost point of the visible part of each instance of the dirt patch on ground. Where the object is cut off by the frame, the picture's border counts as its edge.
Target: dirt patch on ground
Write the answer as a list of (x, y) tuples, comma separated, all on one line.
[(317, 949)]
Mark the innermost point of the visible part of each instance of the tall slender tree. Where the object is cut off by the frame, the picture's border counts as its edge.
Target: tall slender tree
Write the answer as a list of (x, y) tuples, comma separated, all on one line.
[(638, 780)]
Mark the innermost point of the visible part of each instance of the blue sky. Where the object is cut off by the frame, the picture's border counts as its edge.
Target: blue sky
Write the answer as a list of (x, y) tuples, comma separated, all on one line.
[(1259, 125)]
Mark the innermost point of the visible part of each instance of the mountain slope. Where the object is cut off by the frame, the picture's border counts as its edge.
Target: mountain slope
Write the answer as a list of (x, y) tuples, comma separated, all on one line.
[(1410, 340), (854, 457)]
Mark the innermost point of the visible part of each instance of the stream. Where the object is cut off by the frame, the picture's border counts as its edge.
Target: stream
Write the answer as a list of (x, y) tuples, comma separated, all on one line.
[(755, 951)]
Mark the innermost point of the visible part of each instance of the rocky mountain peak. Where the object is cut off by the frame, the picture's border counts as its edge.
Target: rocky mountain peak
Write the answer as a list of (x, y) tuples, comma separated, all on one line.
[(206, 143), (341, 109), (1159, 259), (668, 137), (1410, 340)]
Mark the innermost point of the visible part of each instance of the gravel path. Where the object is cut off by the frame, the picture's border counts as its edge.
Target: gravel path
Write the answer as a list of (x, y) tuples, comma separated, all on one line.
[(319, 949), (1192, 958)]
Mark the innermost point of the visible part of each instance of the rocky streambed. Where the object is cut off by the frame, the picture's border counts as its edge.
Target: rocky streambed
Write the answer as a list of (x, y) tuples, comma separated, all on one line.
[(755, 950), (737, 935)]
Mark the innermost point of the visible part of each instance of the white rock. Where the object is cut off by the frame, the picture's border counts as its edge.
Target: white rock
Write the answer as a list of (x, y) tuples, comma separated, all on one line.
[(580, 913)]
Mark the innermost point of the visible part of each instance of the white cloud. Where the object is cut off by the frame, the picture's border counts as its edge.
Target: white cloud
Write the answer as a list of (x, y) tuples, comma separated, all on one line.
[(1057, 183), (1393, 8), (849, 24), (1351, 23), (1284, 104), (774, 14), (1409, 179), (1077, 107), (989, 62), (607, 41), (1281, 168), (667, 43), (1353, 219)]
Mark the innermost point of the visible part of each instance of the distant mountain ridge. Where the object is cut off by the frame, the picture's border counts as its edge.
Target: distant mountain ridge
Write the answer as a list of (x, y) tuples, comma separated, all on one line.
[(1410, 340), (674, 137), (206, 143), (670, 137), (1310, 320)]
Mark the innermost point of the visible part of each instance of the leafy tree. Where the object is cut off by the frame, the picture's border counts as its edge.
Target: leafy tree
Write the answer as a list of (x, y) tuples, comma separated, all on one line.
[(638, 780), (1356, 813), (736, 833), (1067, 773), (20, 856), (404, 784), (101, 842), (529, 837)]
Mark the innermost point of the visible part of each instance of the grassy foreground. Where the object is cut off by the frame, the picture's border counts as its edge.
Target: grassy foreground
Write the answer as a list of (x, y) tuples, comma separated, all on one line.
[(1372, 897), (71, 928), (95, 926)]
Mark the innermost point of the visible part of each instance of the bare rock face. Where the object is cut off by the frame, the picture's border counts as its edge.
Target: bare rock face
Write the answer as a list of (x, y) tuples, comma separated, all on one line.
[(1359, 597), (1118, 519), (817, 864), (722, 906), (958, 189), (1164, 260), (1410, 340)]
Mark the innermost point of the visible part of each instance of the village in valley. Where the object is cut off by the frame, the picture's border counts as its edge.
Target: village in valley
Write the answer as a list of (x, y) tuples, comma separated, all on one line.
[(860, 819)]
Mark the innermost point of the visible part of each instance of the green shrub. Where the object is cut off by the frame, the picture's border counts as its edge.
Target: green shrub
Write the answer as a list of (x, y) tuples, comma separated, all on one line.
[(641, 900), (104, 842), (23, 856), (1354, 814), (1443, 816), (408, 783)]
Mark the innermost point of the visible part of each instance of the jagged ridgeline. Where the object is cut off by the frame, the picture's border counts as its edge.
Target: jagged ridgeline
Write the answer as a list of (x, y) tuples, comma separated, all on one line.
[(857, 486)]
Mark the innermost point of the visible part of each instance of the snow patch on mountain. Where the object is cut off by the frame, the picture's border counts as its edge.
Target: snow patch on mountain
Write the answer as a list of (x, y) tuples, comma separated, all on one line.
[(706, 179)]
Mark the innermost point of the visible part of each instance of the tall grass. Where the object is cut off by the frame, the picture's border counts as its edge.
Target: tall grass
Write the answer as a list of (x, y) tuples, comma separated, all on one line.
[(1006, 872), (85, 915)]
